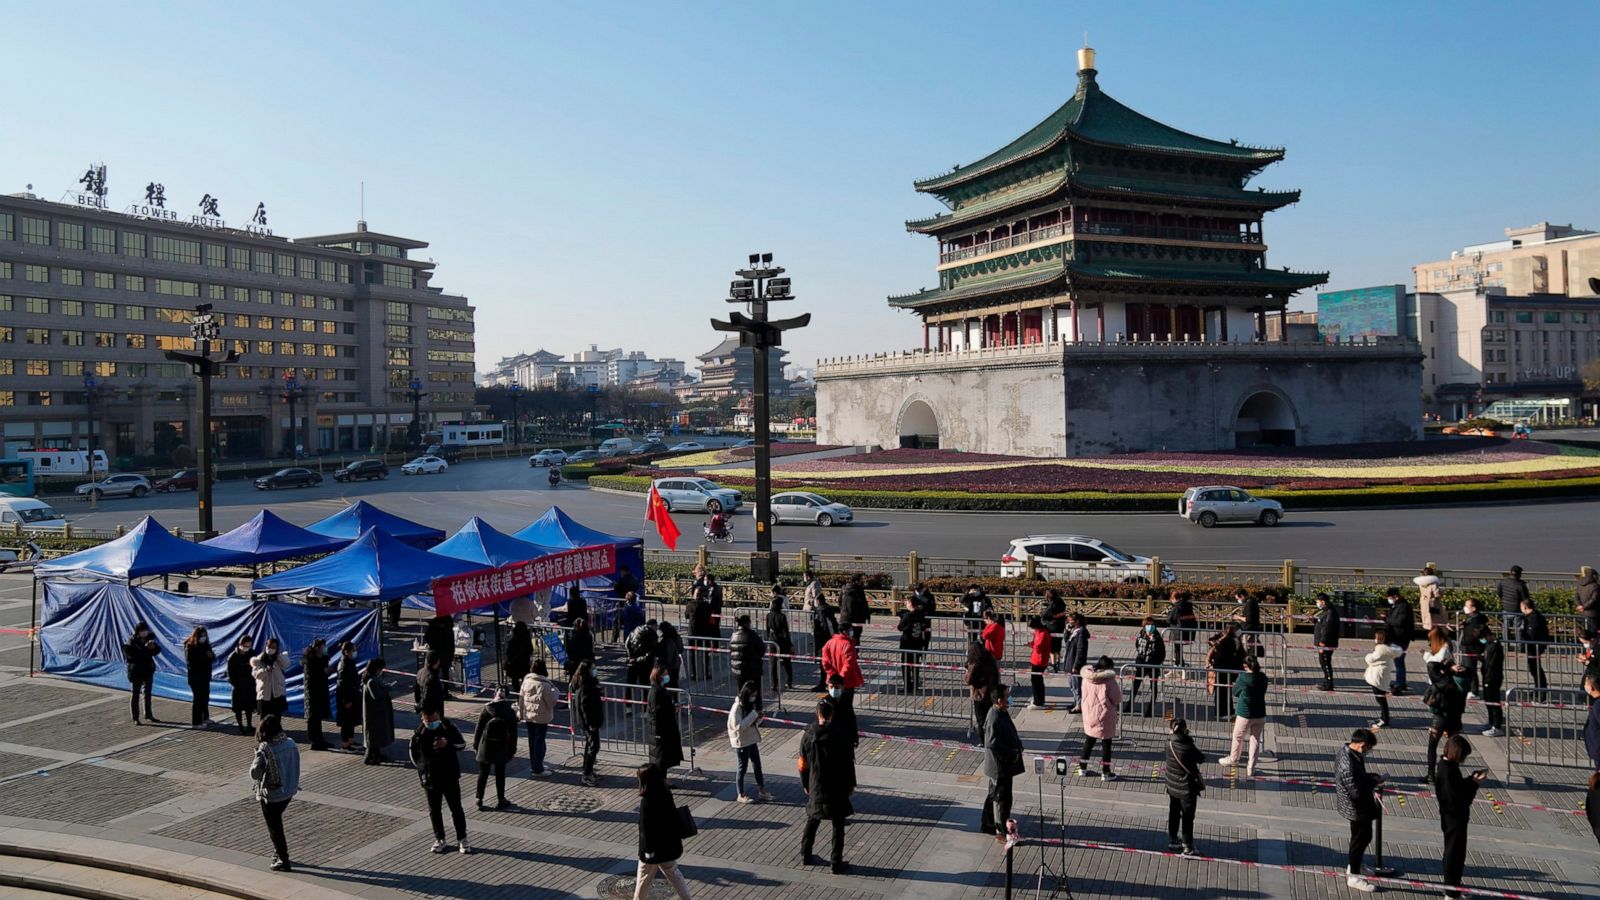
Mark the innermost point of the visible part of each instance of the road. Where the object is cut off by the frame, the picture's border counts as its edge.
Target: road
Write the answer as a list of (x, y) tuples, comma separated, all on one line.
[(508, 495)]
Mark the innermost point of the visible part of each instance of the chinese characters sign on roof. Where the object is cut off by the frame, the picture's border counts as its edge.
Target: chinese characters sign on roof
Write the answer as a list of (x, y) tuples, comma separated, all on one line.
[(459, 593)]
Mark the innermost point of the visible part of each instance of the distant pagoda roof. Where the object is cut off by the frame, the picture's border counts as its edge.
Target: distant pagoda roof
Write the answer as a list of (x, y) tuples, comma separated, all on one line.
[(1094, 116), (1263, 280)]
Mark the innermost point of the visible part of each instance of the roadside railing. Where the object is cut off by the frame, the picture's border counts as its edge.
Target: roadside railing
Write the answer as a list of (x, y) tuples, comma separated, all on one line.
[(1545, 728), (628, 729)]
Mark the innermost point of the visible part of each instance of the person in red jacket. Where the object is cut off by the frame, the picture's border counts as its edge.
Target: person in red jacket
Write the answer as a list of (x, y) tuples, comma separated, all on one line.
[(842, 671), (1040, 658), (994, 636)]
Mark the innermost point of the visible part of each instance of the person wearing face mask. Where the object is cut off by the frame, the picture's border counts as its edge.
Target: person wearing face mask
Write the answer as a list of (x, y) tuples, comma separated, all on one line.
[(314, 671), (1399, 622), (1534, 632), (1491, 675), (1002, 760), (1356, 799), (778, 634), (347, 696), (243, 685), (1447, 698), (839, 659), (536, 705), (1038, 659), (199, 658), (140, 654), (1149, 653), (1473, 624), (666, 741), (982, 674), (269, 669), (1184, 784), (1325, 630), (494, 742), (828, 775), (434, 749), (377, 713), (744, 735), (1380, 672), (844, 712)]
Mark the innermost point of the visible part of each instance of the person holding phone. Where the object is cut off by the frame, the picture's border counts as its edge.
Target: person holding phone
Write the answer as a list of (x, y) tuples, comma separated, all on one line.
[(1456, 792)]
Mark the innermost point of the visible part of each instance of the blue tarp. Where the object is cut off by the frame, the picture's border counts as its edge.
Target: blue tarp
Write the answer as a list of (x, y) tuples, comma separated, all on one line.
[(354, 520), (374, 567), (479, 542), (559, 530), (85, 626), (267, 538), (149, 549)]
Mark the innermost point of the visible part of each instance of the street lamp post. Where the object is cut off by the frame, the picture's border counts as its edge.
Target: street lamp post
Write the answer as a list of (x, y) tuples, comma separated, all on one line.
[(758, 285), (416, 394), (205, 329), (292, 392), (90, 391), (516, 422)]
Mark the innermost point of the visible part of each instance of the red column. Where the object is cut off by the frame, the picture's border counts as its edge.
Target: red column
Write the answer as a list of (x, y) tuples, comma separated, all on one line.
[(924, 335), (1102, 327)]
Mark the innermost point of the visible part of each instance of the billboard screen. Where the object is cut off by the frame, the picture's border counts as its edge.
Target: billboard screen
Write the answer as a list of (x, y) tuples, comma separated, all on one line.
[(1362, 313)]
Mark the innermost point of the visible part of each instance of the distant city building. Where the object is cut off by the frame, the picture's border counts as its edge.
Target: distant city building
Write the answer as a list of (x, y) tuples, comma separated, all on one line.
[(1539, 259), (728, 370), (91, 298), (591, 367)]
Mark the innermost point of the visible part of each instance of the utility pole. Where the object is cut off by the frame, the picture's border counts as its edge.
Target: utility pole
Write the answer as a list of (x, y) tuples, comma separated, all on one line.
[(516, 424), (90, 391), (758, 285), (416, 394), (205, 329), (292, 392)]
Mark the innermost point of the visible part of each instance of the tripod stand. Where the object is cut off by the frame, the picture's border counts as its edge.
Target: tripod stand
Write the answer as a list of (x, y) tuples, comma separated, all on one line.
[(1058, 877)]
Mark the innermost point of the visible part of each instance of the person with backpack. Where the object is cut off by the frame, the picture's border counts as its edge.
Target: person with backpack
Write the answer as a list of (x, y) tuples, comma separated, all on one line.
[(914, 629), (1491, 674), (1102, 703), (434, 749), (1534, 633), (1250, 715), (660, 834), (1380, 673), (1325, 628), (1038, 659), (640, 647), (1182, 624), (1149, 653), (276, 775), (242, 685), (1184, 784), (744, 736), (494, 743), (777, 633), (536, 706), (140, 654), (1356, 799), (975, 606)]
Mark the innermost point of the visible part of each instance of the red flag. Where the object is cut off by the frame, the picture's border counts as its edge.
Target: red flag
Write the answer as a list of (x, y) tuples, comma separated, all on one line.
[(655, 510)]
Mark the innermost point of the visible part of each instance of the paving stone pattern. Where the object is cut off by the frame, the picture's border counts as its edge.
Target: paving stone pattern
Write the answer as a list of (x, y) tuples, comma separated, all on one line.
[(85, 794), (317, 833)]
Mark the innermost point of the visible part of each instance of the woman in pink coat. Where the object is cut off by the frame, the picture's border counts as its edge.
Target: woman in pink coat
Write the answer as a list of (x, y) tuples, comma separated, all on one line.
[(1102, 701)]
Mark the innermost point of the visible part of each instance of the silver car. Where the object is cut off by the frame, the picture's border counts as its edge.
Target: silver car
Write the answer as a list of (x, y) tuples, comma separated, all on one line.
[(699, 494), (1220, 503), (116, 486), (812, 509)]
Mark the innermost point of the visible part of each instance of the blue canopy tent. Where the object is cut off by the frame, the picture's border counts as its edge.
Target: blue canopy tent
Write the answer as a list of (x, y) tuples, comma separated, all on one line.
[(86, 624), (354, 520), (268, 538), (148, 549), (557, 529), (375, 567)]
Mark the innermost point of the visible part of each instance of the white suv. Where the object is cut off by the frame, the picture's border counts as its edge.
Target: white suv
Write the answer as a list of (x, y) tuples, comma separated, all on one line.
[(1220, 503), (1074, 557)]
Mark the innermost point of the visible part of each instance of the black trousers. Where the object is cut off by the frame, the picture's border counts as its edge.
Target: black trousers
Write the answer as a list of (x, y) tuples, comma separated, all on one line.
[(145, 686), (1180, 812), (1591, 809), (200, 710), (449, 792), (1455, 851), (1492, 698), (499, 769), (1325, 659), (1536, 669), (277, 706), (1382, 697), (785, 659), (809, 840), (314, 729), (1223, 694), (347, 733), (912, 670), (1360, 838), (980, 714), (1139, 675), (273, 813), (591, 749), (819, 637), (1105, 752), (997, 806), (1037, 678)]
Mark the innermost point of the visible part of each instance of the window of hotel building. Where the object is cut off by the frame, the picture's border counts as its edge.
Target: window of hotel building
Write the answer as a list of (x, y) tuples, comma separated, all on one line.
[(344, 273), (264, 297), (39, 337), (216, 292), (72, 276), (133, 341), (1498, 316), (39, 306), (308, 324), (449, 356), (175, 316), (105, 310), (134, 312), (308, 349), (239, 259), (135, 370), (40, 398), (285, 298), (177, 288), (105, 281), (8, 398), (1544, 336), (325, 270), (285, 324), (35, 231), (329, 350), (349, 328), (6, 303), (308, 268), (307, 301), (286, 348), (174, 342), (1552, 318), (397, 276), (449, 314), (264, 347), (38, 367), (133, 282), (349, 352), (1580, 318), (1524, 316), (241, 372), (105, 339), (72, 367), (240, 295), (8, 227), (264, 323), (329, 304), (174, 249), (69, 235), (347, 374), (71, 338), (133, 244), (102, 240), (217, 256), (71, 307), (240, 347), (36, 273), (330, 327), (7, 335), (104, 369), (240, 320), (399, 356), (262, 262), (5, 270), (399, 334), (396, 311), (285, 266)]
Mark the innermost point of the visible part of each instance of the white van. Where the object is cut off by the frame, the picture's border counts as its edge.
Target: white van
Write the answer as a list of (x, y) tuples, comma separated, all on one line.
[(29, 513), (616, 446)]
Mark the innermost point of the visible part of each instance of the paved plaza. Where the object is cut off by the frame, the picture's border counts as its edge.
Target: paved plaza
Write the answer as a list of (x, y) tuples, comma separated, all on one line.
[(77, 777)]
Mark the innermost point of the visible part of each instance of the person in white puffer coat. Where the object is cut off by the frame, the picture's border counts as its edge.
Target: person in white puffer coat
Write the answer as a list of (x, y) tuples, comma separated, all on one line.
[(1380, 673), (744, 735), (1431, 597)]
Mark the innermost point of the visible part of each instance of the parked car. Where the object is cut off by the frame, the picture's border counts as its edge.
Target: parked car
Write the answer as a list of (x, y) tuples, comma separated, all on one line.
[(583, 456), (654, 436), (363, 470), (1074, 557), (550, 456), (650, 447), (812, 509), (1219, 503), (687, 447), (116, 486), (424, 465), (295, 477), (181, 480), (450, 453), (697, 493), (30, 513)]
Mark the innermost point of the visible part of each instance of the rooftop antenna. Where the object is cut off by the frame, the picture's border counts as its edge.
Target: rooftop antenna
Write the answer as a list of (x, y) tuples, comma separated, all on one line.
[(361, 223)]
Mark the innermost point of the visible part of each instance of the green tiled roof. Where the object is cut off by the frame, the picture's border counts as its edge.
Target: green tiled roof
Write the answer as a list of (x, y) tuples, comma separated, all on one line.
[(986, 206), (1094, 116), (1267, 278), (1148, 188), (931, 296)]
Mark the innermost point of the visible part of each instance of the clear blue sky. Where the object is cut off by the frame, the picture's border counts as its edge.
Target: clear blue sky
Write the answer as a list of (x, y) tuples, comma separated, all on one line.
[(592, 172)]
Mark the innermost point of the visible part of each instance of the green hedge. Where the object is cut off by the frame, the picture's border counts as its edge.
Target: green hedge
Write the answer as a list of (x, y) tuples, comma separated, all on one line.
[(1087, 501)]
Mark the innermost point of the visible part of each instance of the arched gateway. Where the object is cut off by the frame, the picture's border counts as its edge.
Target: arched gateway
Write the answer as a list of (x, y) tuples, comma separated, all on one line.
[(1265, 419), (919, 427)]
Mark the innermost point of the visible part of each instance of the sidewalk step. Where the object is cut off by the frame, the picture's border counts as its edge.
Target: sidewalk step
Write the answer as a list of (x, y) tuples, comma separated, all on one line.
[(49, 878)]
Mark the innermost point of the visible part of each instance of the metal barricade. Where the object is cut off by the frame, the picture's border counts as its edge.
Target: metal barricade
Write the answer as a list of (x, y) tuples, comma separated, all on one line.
[(1164, 693), (1545, 727), (1274, 652), (1535, 664), (627, 727), (929, 683)]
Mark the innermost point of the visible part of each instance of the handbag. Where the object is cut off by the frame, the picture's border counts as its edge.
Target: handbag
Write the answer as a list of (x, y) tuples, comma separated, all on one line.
[(686, 826)]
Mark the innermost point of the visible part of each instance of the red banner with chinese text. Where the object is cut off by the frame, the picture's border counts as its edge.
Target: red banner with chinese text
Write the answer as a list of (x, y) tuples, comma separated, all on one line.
[(459, 593)]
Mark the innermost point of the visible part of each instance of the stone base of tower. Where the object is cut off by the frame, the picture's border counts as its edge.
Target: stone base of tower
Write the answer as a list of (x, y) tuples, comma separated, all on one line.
[(1088, 399)]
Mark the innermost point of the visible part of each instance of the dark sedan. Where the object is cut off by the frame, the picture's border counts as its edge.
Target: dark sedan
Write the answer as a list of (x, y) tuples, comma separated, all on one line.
[(181, 480), (363, 469), (288, 478)]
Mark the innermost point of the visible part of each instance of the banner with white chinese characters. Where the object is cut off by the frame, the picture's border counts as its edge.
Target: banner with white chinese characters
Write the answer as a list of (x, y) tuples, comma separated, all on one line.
[(459, 593)]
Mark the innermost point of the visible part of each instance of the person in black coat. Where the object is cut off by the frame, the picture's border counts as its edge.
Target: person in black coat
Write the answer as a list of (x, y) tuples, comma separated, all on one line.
[(1054, 613), (1534, 632), (1456, 792), (1325, 630), (242, 683), (824, 624), (494, 743), (1181, 624), (440, 637), (1491, 675), (778, 634), (666, 740), (347, 696), (428, 690), (982, 673), (519, 654), (1002, 761), (1356, 799), (746, 653), (1512, 591), (1399, 622), (975, 606), (589, 716), (857, 611), (1225, 658), (434, 749), (668, 653), (314, 669), (580, 645), (1470, 637), (199, 659), (1184, 784), (1149, 653), (828, 775), (577, 605), (701, 616), (640, 649), (140, 654), (914, 629), (660, 834)]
